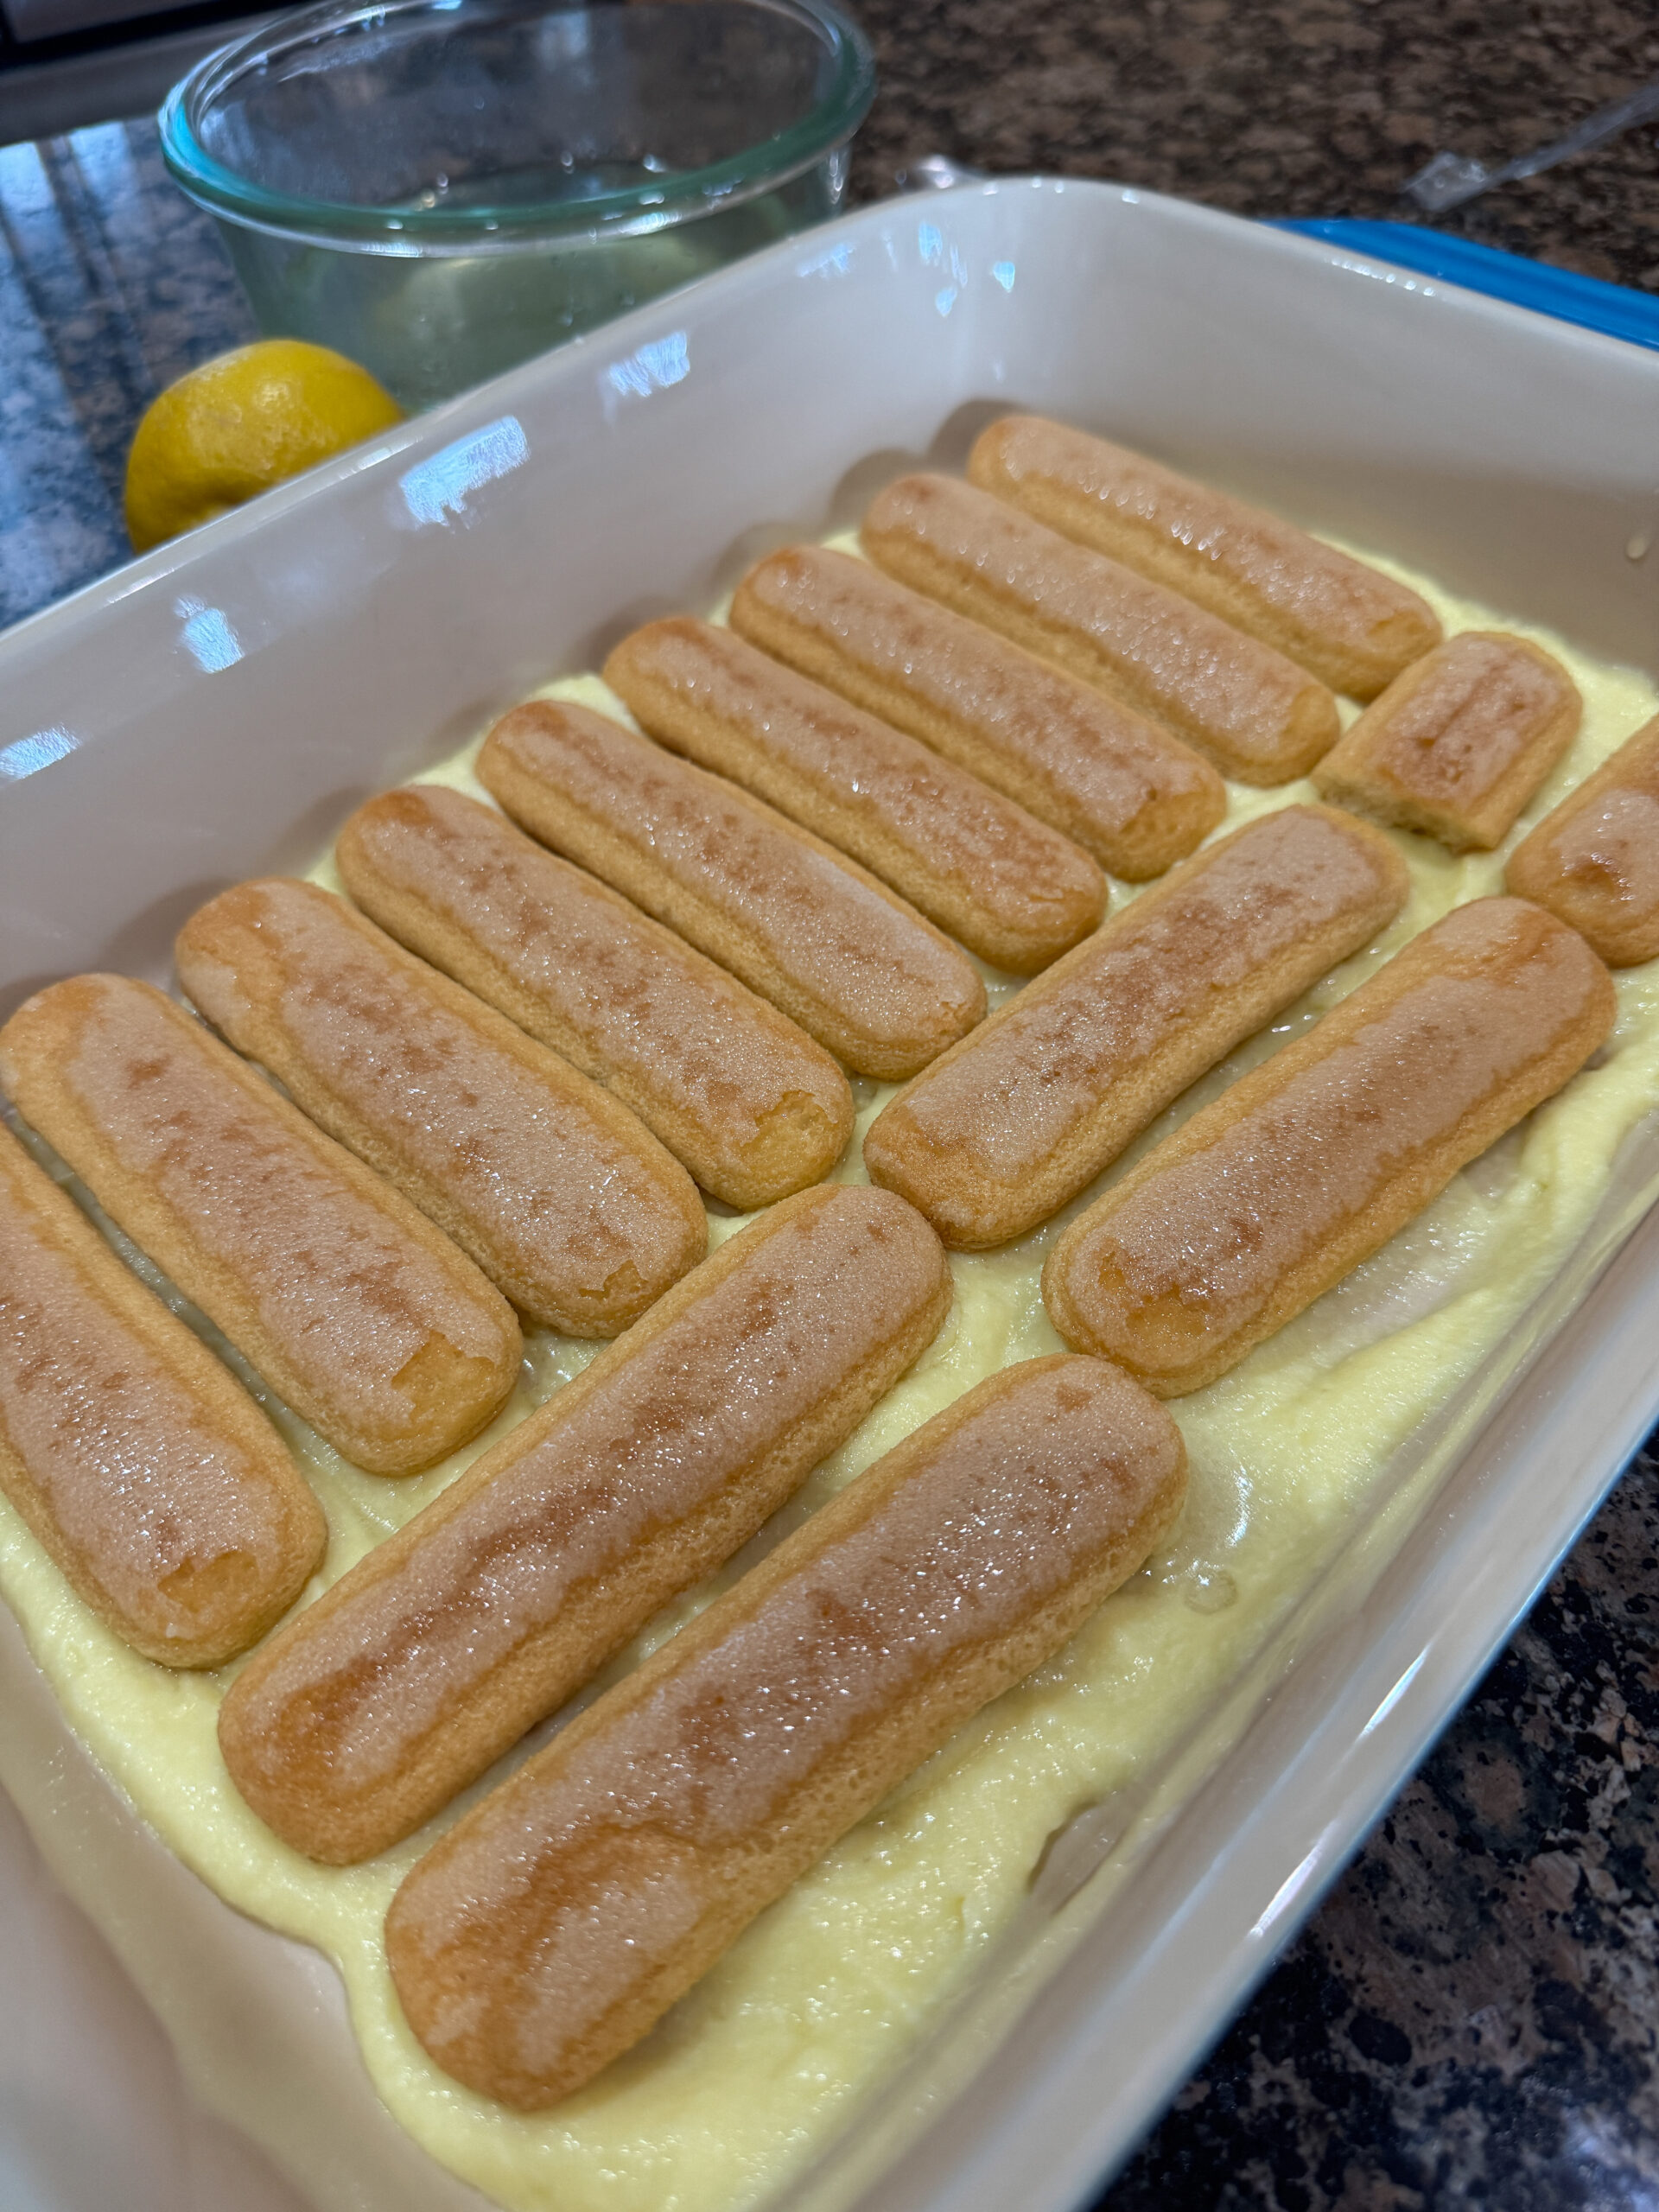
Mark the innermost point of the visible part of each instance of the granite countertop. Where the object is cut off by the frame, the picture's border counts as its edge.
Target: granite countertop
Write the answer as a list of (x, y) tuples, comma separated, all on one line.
[(1293, 107), (1471, 2017)]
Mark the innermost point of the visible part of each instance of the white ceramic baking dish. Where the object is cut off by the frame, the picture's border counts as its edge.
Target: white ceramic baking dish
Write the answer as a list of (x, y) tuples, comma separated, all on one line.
[(217, 709)]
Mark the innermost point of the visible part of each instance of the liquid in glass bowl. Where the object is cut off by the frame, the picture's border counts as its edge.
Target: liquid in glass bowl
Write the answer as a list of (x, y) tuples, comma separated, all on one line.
[(441, 189)]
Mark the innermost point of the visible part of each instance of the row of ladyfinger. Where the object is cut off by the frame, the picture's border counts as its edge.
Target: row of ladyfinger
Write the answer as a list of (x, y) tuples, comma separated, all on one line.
[(1016, 1119), (550, 1186), (645, 1825), (951, 1569), (344, 1735), (1458, 734), (640, 1825), (588, 1244), (1002, 1132), (564, 1913), (1463, 734), (1021, 1114), (1339, 914)]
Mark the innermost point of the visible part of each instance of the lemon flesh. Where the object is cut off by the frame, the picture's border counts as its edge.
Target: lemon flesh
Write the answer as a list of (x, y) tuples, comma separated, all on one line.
[(240, 423)]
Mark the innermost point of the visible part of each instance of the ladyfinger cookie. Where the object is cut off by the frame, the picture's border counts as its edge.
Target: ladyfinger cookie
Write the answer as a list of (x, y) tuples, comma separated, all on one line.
[(562, 1916), (1257, 715), (1595, 861), (353, 1307), (562, 1196), (1457, 745), (1348, 624), (1014, 1120), (163, 1494), (737, 1092), (805, 926), (1121, 787), (1002, 883), (436, 1651), (1265, 1199)]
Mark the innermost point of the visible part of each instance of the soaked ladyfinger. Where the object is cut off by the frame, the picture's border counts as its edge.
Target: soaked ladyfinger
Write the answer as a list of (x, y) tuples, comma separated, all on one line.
[(1457, 745), (1120, 785), (162, 1492), (1346, 623), (1266, 1199), (358, 1312), (1002, 883), (1013, 1123), (562, 1196), (807, 928), (737, 1092), (434, 1653), (1595, 861), (1257, 715), (545, 1933)]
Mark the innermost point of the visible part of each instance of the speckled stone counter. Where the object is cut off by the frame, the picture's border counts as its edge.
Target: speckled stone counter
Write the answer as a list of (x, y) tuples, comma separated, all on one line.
[(112, 285), (1472, 2016), (1285, 107)]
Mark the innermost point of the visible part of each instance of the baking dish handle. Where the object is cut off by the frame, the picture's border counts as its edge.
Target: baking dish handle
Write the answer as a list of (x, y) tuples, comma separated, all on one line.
[(1614, 309)]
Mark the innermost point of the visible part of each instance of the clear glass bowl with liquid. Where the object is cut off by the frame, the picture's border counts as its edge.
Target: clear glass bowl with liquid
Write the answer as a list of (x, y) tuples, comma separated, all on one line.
[(440, 188)]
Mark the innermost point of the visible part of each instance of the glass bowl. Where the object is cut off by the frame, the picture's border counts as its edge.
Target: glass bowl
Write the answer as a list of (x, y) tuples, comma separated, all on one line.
[(440, 188)]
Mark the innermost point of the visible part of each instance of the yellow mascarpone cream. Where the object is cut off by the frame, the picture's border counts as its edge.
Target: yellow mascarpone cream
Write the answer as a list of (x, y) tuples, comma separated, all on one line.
[(750, 2076)]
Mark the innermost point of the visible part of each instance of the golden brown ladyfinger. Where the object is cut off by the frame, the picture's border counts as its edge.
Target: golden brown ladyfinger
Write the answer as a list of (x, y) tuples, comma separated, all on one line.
[(1348, 624), (736, 1090), (548, 1931), (436, 1652), (802, 925), (1457, 745), (1263, 1201), (162, 1492), (561, 1195), (1014, 1120), (1121, 786), (1000, 881), (1595, 861), (354, 1308), (1256, 715)]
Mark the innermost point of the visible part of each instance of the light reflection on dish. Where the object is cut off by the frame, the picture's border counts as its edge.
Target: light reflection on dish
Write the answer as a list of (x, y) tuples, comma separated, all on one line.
[(666, 361), (437, 489), (26, 756), (207, 636)]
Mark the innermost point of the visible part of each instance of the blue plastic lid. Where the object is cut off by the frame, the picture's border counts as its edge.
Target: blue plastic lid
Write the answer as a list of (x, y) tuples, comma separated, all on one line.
[(1614, 310)]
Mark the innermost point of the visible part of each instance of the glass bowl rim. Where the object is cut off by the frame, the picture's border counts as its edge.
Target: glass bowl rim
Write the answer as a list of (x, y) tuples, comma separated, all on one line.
[(678, 196)]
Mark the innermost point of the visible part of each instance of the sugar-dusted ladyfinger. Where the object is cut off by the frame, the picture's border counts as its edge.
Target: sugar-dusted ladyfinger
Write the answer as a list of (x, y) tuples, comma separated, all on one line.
[(434, 1653), (1256, 715), (354, 1308), (1348, 624), (1457, 745), (1001, 882), (1595, 861), (1014, 1120), (546, 1932), (1121, 786), (562, 1196), (1266, 1199), (160, 1489), (805, 926), (736, 1090)]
